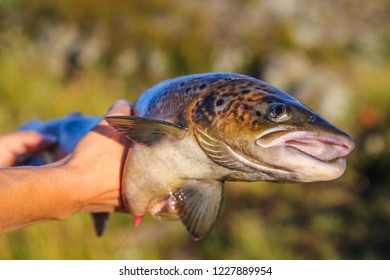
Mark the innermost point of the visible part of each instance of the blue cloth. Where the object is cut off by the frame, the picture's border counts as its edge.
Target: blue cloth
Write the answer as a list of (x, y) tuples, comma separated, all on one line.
[(66, 133)]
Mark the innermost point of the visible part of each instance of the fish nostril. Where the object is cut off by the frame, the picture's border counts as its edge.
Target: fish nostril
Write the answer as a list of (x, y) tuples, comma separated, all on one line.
[(312, 119), (350, 145)]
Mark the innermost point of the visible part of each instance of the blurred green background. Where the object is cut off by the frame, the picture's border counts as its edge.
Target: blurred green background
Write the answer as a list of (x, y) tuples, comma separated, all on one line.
[(58, 57)]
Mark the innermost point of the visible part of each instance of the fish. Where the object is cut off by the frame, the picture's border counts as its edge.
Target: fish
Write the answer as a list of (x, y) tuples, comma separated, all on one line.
[(193, 133)]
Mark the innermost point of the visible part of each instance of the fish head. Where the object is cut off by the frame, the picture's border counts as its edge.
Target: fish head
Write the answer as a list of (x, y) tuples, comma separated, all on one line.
[(262, 133)]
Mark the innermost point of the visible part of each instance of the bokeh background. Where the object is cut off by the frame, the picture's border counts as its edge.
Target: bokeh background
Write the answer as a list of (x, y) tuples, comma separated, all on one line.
[(58, 57)]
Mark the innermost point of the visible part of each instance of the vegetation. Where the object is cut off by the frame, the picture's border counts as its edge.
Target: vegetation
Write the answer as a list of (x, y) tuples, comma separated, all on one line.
[(58, 57)]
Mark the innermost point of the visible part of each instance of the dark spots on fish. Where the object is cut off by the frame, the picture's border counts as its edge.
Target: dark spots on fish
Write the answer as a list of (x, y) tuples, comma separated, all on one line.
[(255, 97), (208, 102), (258, 114), (255, 123), (182, 84), (230, 93), (202, 86), (245, 91), (247, 107), (188, 90), (220, 102), (244, 117), (236, 105), (204, 110), (228, 79)]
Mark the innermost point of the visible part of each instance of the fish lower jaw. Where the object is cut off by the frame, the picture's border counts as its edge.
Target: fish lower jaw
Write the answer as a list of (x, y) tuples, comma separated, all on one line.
[(327, 172), (291, 164)]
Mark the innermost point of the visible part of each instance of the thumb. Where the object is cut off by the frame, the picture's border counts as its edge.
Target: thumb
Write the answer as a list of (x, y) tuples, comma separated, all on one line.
[(120, 108)]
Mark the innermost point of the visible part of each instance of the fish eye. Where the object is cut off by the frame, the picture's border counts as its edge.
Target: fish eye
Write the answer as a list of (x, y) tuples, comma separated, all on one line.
[(278, 112)]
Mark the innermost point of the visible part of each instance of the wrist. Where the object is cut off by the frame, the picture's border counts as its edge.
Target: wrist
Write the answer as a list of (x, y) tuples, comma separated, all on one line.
[(93, 190), (66, 188)]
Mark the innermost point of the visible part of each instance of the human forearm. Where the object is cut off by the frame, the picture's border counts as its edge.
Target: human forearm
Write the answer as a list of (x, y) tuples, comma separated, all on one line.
[(29, 195)]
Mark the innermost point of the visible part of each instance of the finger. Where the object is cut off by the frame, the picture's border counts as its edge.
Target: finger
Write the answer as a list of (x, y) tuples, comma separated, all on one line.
[(121, 107), (25, 141), (35, 141), (17, 144)]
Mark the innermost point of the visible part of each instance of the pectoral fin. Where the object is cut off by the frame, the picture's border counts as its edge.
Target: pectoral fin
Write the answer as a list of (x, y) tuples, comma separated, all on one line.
[(198, 205), (146, 131)]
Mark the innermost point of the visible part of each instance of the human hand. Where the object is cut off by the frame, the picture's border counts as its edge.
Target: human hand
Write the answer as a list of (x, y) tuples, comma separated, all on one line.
[(16, 144), (96, 164)]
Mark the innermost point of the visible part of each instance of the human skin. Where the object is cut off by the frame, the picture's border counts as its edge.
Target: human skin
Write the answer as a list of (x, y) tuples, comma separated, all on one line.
[(15, 144), (88, 180)]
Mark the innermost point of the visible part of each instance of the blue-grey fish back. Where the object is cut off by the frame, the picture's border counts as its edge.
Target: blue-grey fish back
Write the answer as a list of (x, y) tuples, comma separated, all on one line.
[(168, 99)]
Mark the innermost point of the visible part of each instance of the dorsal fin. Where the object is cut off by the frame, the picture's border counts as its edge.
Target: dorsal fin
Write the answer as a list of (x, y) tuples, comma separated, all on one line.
[(198, 205), (146, 131)]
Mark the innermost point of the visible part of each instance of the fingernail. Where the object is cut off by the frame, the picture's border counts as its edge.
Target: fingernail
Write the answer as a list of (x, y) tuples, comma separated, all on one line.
[(122, 101), (118, 103)]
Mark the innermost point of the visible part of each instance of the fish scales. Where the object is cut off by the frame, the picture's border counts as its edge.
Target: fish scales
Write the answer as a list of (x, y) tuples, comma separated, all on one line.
[(168, 99)]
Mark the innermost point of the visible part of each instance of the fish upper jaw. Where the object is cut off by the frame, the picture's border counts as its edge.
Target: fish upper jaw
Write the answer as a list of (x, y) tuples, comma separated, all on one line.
[(309, 155), (321, 146)]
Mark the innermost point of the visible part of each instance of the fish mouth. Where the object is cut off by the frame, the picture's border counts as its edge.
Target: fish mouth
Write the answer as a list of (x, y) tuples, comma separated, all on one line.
[(325, 147)]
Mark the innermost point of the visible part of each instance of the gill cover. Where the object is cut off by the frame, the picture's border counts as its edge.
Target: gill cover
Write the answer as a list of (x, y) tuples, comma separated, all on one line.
[(223, 116)]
